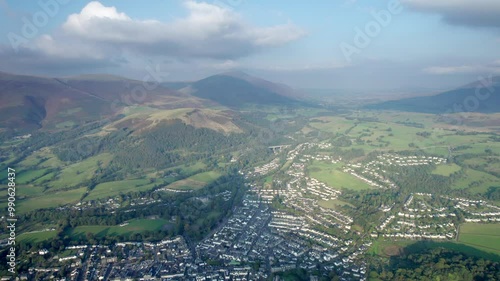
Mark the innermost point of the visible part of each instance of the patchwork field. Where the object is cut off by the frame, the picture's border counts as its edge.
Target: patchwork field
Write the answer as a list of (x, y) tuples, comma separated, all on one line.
[(476, 181), (333, 204), (195, 182), (51, 199), (134, 226), (113, 188), (446, 170), (388, 248), (335, 178), (485, 237), (39, 236)]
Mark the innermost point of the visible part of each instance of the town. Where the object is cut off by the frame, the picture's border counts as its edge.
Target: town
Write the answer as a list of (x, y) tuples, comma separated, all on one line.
[(278, 226)]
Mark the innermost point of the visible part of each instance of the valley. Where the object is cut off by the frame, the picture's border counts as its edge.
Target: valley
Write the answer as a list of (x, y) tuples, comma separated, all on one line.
[(336, 186)]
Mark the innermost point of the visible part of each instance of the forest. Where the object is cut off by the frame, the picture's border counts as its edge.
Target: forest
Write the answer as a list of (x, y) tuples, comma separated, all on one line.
[(437, 264)]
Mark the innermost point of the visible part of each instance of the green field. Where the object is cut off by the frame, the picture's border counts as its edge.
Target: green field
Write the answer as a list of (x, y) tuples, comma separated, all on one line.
[(43, 158), (446, 170), (328, 174), (196, 181), (35, 237), (109, 189), (331, 124), (51, 200), (396, 131), (134, 226), (206, 177), (388, 248), (485, 237), (333, 204), (28, 176), (29, 190), (75, 174), (476, 181), (189, 169)]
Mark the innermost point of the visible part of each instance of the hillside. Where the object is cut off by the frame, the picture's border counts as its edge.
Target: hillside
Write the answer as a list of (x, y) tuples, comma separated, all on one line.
[(230, 90), (30, 103), (464, 99)]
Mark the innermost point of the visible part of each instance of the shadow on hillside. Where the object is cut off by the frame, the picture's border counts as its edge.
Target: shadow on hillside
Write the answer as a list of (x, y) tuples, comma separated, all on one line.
[(461, 248)]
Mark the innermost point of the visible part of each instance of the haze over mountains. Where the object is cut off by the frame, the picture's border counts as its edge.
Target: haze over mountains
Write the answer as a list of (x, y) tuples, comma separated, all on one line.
[(29, 103), (480, 96)]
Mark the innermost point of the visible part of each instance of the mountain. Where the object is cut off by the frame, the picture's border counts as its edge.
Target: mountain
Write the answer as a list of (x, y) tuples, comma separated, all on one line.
[(278, 88), (479, 96), (236, 88), (234, 92), (28, 103)]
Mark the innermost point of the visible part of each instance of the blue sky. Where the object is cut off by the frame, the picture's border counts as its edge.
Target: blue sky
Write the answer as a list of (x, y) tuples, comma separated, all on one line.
[(423, 44)]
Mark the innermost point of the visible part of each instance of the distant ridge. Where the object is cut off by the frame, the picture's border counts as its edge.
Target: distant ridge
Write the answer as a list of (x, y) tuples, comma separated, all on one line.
[(29, 103), (473, 97), (233, 91)]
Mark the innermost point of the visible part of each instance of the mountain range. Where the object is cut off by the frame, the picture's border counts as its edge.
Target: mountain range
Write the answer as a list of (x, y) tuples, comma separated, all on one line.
[(29, 103), (482, 96)]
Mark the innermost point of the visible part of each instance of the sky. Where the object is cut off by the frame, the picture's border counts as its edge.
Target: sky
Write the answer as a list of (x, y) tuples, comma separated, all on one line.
[(366, 45)]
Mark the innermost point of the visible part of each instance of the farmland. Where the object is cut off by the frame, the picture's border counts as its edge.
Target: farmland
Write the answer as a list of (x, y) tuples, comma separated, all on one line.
[(196, 181), (51, 200), (446, 170), (336, 178), (485, 237), (37, 236), (113, 188), (132, 227)]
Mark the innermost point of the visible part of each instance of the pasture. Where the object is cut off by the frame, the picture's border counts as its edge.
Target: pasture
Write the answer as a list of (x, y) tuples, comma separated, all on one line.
[(485, 237), (113, 188), (51, 199), (194, 182), (446, 170), (36, 236), (335, 178), (133, 226)]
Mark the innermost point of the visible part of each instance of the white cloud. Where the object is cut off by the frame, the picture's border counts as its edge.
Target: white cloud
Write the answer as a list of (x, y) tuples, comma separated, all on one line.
[(480, 13), (207, 31), (101, 33)]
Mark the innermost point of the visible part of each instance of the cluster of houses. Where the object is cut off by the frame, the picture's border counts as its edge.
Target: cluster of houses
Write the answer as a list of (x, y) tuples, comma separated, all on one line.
[(169, 259), (320, 157), (379, 182), (303, 194), (278, 241), (399, 160), (373, 171), (110, 204), (299, 149), (264, 169), (424, 217), (256, 241)]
